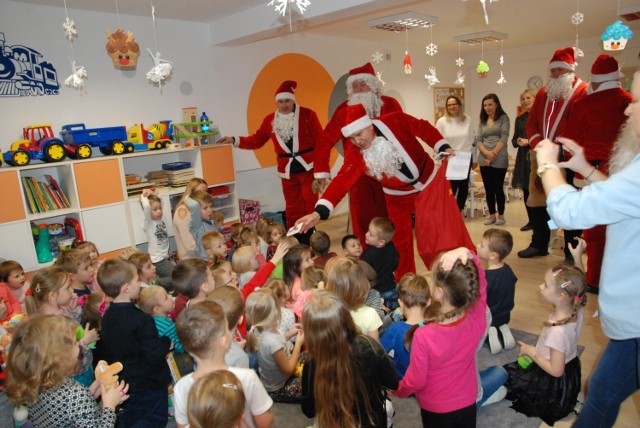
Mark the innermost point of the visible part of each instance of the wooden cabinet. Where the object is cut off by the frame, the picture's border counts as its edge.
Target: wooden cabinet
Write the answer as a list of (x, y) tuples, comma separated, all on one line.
[(98, 198)]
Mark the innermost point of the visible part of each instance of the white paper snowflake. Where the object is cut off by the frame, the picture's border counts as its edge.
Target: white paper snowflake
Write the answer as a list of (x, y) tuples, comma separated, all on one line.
[(431, 49), (501, 81), (432, 79), (77, 78), (377, 57), (379, 76), (460, 79), (501, 59), (70, 30), (281, 5), (577, 18), (460, 62)]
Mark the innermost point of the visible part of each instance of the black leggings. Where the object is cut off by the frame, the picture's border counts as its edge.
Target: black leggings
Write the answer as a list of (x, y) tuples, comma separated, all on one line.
[(493, 179), (462, 418)]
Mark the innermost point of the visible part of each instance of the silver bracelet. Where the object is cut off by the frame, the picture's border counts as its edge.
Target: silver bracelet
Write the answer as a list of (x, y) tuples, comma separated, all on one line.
[(590, 174)]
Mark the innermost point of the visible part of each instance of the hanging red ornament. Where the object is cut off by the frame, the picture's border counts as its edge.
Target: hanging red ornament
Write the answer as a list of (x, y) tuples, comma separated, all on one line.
[(407, 63)]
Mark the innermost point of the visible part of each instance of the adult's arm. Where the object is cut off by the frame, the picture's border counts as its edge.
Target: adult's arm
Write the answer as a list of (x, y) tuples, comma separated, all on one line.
[(505, 125), (326, 140), (259, 138), (535, 133), (428, 133)]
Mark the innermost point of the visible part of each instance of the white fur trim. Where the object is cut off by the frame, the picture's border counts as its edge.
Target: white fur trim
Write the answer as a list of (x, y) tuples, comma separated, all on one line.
[(326, 203), (562, 64), (321, 175), (236, 141), (285, 96), (597, 78), (439, 144), (356, 125)]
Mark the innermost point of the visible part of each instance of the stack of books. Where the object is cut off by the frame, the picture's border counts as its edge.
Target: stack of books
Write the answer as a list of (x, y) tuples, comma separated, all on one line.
[(158, 178), (179, 173), (135, 184), (42, 197)]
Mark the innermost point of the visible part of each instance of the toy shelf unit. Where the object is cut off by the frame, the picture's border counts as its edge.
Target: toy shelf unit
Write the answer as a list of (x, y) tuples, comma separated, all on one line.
[(145, 170), (48, 190)]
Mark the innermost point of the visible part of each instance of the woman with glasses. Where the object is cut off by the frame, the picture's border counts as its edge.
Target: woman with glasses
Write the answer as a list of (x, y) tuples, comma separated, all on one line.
[(456, 127)]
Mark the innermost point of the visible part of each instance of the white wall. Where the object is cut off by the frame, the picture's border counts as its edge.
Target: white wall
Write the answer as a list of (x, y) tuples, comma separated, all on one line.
[(218, 79)]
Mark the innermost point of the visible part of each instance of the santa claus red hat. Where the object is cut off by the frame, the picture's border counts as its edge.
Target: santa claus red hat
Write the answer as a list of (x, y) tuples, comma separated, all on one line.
[(286, 90), (357, 120), (604, 69), (367, 74), (564, 58)]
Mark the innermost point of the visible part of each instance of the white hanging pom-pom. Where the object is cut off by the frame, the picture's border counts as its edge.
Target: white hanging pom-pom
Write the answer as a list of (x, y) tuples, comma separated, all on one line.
[(161, 70), (459, 79), (432, 80), (77, 78)]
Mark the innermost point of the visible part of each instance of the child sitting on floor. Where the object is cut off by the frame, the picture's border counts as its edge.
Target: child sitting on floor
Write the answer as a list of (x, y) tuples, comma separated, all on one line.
[(352, 247), (320, 244)]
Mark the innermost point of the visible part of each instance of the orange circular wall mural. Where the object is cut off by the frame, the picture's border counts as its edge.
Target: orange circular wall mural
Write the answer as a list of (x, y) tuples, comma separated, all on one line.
[(314, 91)]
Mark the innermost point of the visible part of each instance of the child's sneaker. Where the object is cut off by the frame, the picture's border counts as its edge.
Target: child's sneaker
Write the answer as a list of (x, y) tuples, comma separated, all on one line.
[(507, 337), (494, 342), (497, 396)]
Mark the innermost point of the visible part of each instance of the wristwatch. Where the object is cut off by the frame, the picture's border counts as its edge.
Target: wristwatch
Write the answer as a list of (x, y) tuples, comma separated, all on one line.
[(545, 166)]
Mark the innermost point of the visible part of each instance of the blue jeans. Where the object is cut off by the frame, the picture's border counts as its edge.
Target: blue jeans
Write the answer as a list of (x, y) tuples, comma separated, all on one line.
[(491, 379), (616, 378), (391, 299)]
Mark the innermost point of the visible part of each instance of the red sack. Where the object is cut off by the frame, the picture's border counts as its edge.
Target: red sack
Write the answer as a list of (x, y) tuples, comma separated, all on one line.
[(439, 224)]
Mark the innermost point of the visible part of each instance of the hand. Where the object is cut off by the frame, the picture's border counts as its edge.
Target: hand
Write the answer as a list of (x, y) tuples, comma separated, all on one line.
[(579, 249), (526, 349), (242, 343), (450, 151), (281, 250), (300, 337), (523, 142), (115, 395), (74, 301), (449, 258), (320, 185), (577, 162), (90, 335), (146, 192), (547, 152), (487, 162), (225, 140), (94, 389), (309, 221)]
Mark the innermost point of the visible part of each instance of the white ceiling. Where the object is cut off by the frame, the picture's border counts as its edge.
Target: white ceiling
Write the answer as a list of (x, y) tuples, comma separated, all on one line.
[(527, 22)]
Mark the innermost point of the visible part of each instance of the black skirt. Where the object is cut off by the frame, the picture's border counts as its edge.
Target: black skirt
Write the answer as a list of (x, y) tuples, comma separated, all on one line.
[(534, 392)]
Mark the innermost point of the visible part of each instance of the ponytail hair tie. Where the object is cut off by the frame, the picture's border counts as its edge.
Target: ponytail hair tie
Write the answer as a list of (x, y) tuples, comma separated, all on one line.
[(29, 292), (102, 307), (577, 298), (421, 324)]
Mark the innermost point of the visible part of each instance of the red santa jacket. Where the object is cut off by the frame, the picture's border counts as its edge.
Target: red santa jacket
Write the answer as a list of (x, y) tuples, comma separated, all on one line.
[(333, 133), (401, 130), (306, 129), (547, 118), (596, 119)]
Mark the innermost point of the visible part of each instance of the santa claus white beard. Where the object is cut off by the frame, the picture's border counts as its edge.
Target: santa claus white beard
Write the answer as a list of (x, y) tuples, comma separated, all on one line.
[(625, 149), (283, 125), (381, 158), (560, 87), (371, 102)]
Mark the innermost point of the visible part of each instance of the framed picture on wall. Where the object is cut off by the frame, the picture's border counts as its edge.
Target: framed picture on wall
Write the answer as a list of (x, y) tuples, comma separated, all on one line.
[(440, 100)]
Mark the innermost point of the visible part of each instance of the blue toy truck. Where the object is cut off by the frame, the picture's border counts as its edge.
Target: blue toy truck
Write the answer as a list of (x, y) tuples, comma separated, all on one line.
[(78, 140)]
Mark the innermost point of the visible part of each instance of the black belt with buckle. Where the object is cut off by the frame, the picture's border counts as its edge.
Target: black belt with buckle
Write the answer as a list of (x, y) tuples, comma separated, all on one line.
[(294, 154)]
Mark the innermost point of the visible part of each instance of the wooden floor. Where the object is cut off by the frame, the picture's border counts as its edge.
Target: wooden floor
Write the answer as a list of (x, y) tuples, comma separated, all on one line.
[(530, 310)]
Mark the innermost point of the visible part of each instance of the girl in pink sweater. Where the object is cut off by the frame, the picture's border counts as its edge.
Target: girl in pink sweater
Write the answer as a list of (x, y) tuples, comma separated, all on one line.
[(442, 367)]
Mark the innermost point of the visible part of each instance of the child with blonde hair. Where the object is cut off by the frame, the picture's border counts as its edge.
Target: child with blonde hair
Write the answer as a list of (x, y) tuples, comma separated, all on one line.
[(44, 356), (347, 279), (215, 246), (77, 262), (94, 255), (287, 324), (50, 294), (204, 332), (157, 235), (216, 400), (188, 227), (145, 267), (232, 303), (245, 264), (442, 365), (262, 229), (12, 274), (275, 232), (276, 357), (234, 236), (155, 301)]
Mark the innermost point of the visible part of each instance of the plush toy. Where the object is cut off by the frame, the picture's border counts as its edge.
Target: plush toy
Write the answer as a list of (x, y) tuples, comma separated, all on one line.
[(106, 374), (80, 336), (13, 321), (298, 370)]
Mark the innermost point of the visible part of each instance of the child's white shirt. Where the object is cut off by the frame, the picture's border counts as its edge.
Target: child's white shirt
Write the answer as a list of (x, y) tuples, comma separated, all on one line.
[(156, 230), (257, 399)]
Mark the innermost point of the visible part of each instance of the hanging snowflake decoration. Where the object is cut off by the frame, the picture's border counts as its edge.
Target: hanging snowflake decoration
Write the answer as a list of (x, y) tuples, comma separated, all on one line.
[(70, 30), (460, 79), (77, 78), (501, 81), (501, 59), (431, 49), (377, 57), (281, 5), (161, 70), (432, 79), (577, 18), (379, 76), (460, 62)]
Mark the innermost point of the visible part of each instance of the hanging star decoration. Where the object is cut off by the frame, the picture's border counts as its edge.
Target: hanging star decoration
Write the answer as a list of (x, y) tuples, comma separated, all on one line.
[(281, 5), (432, 79), (379, 76), (161, 70), (460, 62), (460, 79), (77, 78), (70, 30), (577, 18), (431, 49), (377, 57), (501, 81)]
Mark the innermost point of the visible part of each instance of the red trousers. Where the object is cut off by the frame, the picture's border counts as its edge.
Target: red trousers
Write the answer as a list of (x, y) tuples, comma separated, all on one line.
[(366, 201), (595, 237), (298, 197)]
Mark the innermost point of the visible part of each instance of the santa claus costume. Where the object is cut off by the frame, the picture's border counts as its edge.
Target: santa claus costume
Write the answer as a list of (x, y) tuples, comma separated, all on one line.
[(366, 199), (594, 124), (294, 143), (547, 119), (410, 181)]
